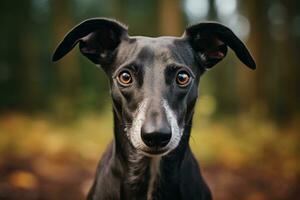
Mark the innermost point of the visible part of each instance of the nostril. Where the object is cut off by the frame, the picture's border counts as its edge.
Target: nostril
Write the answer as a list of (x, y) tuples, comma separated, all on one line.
[(156, 139), (165, 138), (148, 139)]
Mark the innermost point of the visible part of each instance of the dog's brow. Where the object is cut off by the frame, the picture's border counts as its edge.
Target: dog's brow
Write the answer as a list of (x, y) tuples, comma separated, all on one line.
[(133, 66), (177, 66)]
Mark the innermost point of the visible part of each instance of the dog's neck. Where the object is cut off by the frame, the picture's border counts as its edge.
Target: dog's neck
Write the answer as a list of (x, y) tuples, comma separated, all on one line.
[(142, 174)]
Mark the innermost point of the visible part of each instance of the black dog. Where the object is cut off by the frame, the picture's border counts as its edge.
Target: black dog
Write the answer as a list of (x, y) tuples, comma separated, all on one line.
[(154, 88)]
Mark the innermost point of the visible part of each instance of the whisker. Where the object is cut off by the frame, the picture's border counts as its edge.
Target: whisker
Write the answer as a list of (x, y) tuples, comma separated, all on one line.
[(126, 123)]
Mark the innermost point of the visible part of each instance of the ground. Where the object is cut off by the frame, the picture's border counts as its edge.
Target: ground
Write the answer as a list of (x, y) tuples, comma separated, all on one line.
[(42, 158)]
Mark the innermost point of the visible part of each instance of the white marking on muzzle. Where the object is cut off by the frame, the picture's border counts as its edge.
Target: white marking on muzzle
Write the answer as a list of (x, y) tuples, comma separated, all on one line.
[(176, 131), (137, 123), (134, 133)]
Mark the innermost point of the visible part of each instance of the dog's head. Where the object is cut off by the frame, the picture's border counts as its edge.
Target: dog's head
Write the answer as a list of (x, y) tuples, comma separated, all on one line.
[(154, 81)]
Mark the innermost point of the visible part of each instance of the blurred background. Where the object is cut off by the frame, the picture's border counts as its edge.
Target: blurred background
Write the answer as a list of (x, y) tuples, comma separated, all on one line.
[(55, 118)]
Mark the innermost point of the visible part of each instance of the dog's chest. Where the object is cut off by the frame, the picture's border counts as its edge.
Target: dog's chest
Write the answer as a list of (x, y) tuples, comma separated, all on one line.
[(154, 176), (142, 177)]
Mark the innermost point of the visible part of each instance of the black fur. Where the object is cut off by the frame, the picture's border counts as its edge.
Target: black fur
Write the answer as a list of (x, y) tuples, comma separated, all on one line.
[(124, 171)]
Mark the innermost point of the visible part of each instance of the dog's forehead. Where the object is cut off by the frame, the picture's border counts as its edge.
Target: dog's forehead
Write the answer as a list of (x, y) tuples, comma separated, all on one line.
[(154, 41), (158, 49), (155, 53)]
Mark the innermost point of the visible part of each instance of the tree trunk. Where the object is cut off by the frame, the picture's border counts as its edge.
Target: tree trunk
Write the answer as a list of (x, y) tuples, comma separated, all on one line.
[(67, 68), (251, 87), (170, 18)]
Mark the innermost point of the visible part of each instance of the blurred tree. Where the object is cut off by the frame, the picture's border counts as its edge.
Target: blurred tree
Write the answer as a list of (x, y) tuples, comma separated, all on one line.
[(274, 49), (170, 17), (67, 68), (17, 57), (250, 86), (288, 51)]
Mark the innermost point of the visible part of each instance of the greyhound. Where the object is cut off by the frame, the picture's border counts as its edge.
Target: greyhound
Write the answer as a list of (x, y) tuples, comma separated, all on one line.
[(154, 88)]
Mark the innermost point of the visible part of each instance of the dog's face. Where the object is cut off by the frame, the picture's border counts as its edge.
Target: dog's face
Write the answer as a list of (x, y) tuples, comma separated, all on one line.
[(154, 87), (154, 81)]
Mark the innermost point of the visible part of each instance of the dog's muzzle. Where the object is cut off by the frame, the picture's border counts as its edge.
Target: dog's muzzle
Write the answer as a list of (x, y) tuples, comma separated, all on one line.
[(155, 135)]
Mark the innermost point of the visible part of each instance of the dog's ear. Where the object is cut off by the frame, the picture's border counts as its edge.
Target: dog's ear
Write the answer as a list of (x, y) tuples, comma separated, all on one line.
[(98, 40), (210, 40)]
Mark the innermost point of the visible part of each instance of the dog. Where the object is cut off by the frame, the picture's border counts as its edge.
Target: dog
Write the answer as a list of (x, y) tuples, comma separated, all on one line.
[(154, 88)]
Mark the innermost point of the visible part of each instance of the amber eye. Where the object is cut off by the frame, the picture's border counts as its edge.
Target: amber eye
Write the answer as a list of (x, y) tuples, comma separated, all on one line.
[(124, 78), (182, 78)]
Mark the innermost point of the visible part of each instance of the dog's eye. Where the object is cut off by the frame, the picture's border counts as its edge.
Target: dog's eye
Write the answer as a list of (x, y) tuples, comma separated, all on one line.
[(124, 78), (183, 78)]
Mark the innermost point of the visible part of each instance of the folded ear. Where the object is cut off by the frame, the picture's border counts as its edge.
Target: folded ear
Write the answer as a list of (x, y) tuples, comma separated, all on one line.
[(98, 39), (210, 40)]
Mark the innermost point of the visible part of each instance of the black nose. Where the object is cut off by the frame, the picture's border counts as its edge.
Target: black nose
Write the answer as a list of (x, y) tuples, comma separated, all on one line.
[(158, 138)]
